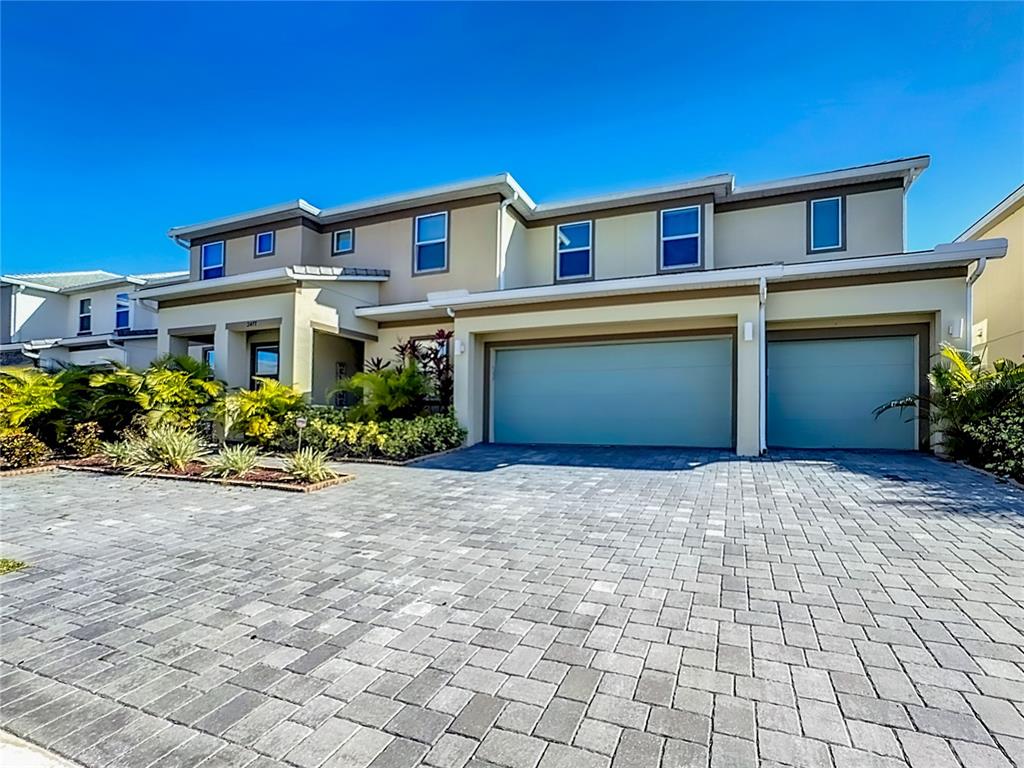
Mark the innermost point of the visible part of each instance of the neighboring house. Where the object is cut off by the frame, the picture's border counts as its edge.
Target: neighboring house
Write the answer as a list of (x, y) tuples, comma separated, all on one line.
[(85, 318), (696, 314), (998, 295)]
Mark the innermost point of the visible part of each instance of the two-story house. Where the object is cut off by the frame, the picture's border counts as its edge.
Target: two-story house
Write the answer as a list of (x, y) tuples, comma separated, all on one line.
[(85, 318), (695, 314)]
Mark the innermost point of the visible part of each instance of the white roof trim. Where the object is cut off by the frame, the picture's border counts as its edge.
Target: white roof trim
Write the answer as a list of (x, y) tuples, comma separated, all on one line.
[(910, 168), (265, 277), (1002, 209), (943, 255), (298, 207), (28, 284)]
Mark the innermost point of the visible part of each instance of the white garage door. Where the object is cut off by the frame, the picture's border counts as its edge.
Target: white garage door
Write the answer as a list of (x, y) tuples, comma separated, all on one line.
[(821, 393), (676, 392)]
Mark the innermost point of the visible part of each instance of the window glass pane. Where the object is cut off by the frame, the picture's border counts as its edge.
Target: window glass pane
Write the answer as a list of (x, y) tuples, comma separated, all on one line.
[(343, 241), (430, 228), (266, 361), (84, 306), (85, 323), (430, 256), (121, 319), (213, 254), (574, 264), (574, 236), (122, 299), (684, 222), (265, 242), (683, 252), (212, 272), (208, 357), (825, 215)]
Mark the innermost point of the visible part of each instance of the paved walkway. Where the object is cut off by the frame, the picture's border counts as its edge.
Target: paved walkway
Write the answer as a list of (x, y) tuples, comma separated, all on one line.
[(516, 608)]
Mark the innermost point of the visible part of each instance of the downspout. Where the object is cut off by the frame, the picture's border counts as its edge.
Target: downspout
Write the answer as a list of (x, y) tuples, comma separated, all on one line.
[(762, 371), (500, 254), (969, 319)]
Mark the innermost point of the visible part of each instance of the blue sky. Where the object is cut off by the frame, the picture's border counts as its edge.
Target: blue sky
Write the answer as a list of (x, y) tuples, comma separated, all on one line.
[(121, 120)]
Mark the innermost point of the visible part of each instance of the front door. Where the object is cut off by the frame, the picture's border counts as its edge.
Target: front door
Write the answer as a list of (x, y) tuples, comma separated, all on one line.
[(265, 362)]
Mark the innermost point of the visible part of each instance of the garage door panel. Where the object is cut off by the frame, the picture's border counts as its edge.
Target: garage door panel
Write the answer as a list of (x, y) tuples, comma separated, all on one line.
[(638, 393), (821, 393)]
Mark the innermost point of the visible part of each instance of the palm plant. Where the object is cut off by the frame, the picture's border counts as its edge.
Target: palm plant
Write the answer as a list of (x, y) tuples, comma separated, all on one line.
[(389, 393), (175, 390), (45, 404), (258, 413), (963, 393)]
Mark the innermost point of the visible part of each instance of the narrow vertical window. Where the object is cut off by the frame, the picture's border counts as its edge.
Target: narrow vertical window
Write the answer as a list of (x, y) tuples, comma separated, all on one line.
[(680, 238), (85, 316), (265, 244), (122, 312), (431, 243), (574, 243), (826, 224), (212, 260)]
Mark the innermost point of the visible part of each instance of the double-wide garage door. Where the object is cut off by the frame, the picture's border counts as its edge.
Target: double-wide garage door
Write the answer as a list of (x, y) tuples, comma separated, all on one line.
[(672, 392), (821, 392)]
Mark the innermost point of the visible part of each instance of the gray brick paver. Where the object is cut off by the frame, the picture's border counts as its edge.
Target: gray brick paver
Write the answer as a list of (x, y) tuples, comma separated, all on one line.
[(554, 599)]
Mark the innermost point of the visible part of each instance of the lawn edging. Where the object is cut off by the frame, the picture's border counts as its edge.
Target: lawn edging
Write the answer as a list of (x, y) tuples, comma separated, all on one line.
[(27, 470), (290, 487)]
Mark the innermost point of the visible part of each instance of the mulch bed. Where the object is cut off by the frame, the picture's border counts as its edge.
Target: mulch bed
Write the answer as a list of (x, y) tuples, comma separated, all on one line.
[(27, 470), (261, 477)]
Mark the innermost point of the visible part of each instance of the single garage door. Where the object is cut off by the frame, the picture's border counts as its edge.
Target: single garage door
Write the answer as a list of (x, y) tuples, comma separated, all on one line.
[(821, 393), (668, 392)]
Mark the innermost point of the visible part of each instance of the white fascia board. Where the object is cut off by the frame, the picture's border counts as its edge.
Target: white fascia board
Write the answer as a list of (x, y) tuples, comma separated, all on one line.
[(108, 283), (276, 276), (297, 207), (909, 168), (1004, 208), (411, 310)]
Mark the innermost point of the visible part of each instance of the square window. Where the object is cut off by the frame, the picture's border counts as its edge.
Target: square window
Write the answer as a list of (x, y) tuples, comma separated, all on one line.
[(431, 243), (344, 241), (680, 238), (574, 250), (212, 260), (264, 244), (826, 224)]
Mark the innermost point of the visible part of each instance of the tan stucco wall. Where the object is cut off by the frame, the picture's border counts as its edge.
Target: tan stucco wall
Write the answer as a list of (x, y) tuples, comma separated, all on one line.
[(328, 351), (778, 233), (389, 337), (626, 246), (472, 254), (290, 243), (999, 295)]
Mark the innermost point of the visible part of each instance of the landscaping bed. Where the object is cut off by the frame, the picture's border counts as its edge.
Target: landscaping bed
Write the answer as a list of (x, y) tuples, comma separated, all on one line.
[(260, 477)]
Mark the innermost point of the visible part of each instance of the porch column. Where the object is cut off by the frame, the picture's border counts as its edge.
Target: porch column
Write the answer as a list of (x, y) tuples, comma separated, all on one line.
[(468, 370), (166, 344), (296, 345), (748, 381), (230, 356)]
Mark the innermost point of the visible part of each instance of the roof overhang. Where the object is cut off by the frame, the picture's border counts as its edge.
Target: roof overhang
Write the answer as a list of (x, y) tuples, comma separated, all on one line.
[(27, 284), (1004, 208), (267, 278), (907, 169), (439, 304)]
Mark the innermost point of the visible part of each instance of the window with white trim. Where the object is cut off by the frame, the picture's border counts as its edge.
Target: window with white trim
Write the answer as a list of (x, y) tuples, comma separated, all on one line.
[(431, 243), (122, 312), (680, 238), (211, 260), (344, 241), (826, 224), (575, 249), (85, 315), (265, 244)]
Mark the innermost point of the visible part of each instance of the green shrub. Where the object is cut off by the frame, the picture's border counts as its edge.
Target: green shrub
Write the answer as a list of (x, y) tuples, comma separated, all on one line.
[(124, 453), (19, 449), (397, 439), (84, 439), (162, 447), (309, 466), (999, 442), (42, 403), (233, 461), (258, 415), (388, 393), (175, 390)]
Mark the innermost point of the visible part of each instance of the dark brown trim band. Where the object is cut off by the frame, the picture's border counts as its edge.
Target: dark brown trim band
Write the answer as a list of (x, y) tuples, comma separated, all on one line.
[(810, 194), (922, 331), (207, 298), (609, 212), (843, 281), (252, 231), (690, 333)]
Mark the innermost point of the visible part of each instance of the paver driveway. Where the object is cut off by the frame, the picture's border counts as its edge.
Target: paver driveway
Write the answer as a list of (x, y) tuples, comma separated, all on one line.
[(515, 608)]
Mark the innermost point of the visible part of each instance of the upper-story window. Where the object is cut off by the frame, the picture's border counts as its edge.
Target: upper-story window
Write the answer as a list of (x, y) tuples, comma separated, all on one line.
[(680, 238), (122, 311), (344, 241), (212, 260), (574, 250), (85, 315), (265, 244), (825, 221), (431, 246)]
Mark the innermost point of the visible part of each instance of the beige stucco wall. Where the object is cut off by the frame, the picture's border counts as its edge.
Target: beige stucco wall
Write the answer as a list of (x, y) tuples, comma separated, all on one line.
[(778, 233), (328, 351), (999, 295), (472, 254), (626, 246), (389, 337), (239, 252)]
